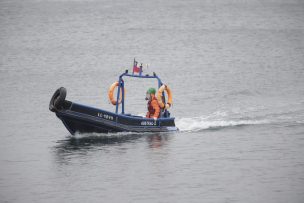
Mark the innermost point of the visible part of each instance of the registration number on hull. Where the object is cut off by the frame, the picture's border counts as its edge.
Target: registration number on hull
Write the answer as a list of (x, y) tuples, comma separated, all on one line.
[(148, 123), (105, 116)]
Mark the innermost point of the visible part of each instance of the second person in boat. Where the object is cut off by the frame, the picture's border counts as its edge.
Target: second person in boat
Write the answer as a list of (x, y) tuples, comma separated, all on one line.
[(153, 107)]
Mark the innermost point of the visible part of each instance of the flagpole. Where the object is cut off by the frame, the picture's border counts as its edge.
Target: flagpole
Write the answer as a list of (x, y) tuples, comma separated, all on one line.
[(133, 66), (140, 69)]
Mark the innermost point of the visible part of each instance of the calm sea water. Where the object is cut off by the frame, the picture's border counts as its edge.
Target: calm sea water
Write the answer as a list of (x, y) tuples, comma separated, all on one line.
[(236, 69)]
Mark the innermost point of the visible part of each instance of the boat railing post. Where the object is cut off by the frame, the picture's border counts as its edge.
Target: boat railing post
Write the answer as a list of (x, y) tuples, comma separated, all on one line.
[(163, 94), (118, 94), (123, 97)]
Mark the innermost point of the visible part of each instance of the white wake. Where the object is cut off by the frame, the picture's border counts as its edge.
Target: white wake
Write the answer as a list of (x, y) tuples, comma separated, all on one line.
[(202, 123)]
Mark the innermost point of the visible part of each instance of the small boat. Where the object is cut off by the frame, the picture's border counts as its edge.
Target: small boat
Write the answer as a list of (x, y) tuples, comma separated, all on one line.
[(86, 119)]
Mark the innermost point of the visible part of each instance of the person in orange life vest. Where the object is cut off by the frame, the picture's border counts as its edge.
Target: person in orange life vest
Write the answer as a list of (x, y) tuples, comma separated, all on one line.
[(153, 107)]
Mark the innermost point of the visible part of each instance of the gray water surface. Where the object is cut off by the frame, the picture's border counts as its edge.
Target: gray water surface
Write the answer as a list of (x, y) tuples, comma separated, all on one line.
[(236, 70)]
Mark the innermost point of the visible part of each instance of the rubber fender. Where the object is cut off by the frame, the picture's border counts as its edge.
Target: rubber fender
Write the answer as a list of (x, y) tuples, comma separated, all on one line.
[(58, 99)]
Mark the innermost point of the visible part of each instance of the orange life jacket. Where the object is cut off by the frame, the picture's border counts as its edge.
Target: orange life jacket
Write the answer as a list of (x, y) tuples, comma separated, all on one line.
[(153, 108)]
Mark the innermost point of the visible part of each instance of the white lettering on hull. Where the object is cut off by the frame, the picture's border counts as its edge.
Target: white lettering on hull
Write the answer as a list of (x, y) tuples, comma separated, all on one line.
[(105, 116)]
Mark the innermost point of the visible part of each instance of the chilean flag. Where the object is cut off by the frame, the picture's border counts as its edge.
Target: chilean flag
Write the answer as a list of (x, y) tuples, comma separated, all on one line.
[(137, 69)]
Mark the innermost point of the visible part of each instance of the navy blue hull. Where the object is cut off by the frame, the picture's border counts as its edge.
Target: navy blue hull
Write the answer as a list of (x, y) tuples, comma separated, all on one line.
[(84, 119)]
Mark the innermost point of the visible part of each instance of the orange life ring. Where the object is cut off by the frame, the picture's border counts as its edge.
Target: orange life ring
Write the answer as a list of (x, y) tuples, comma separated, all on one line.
[(160, 98), (111, 93)]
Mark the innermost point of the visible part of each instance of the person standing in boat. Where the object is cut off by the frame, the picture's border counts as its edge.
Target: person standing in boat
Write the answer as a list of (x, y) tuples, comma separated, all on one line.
[(153, 106)]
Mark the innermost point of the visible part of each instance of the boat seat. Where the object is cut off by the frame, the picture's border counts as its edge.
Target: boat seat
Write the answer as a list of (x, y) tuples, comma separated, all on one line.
[(165, 114)]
